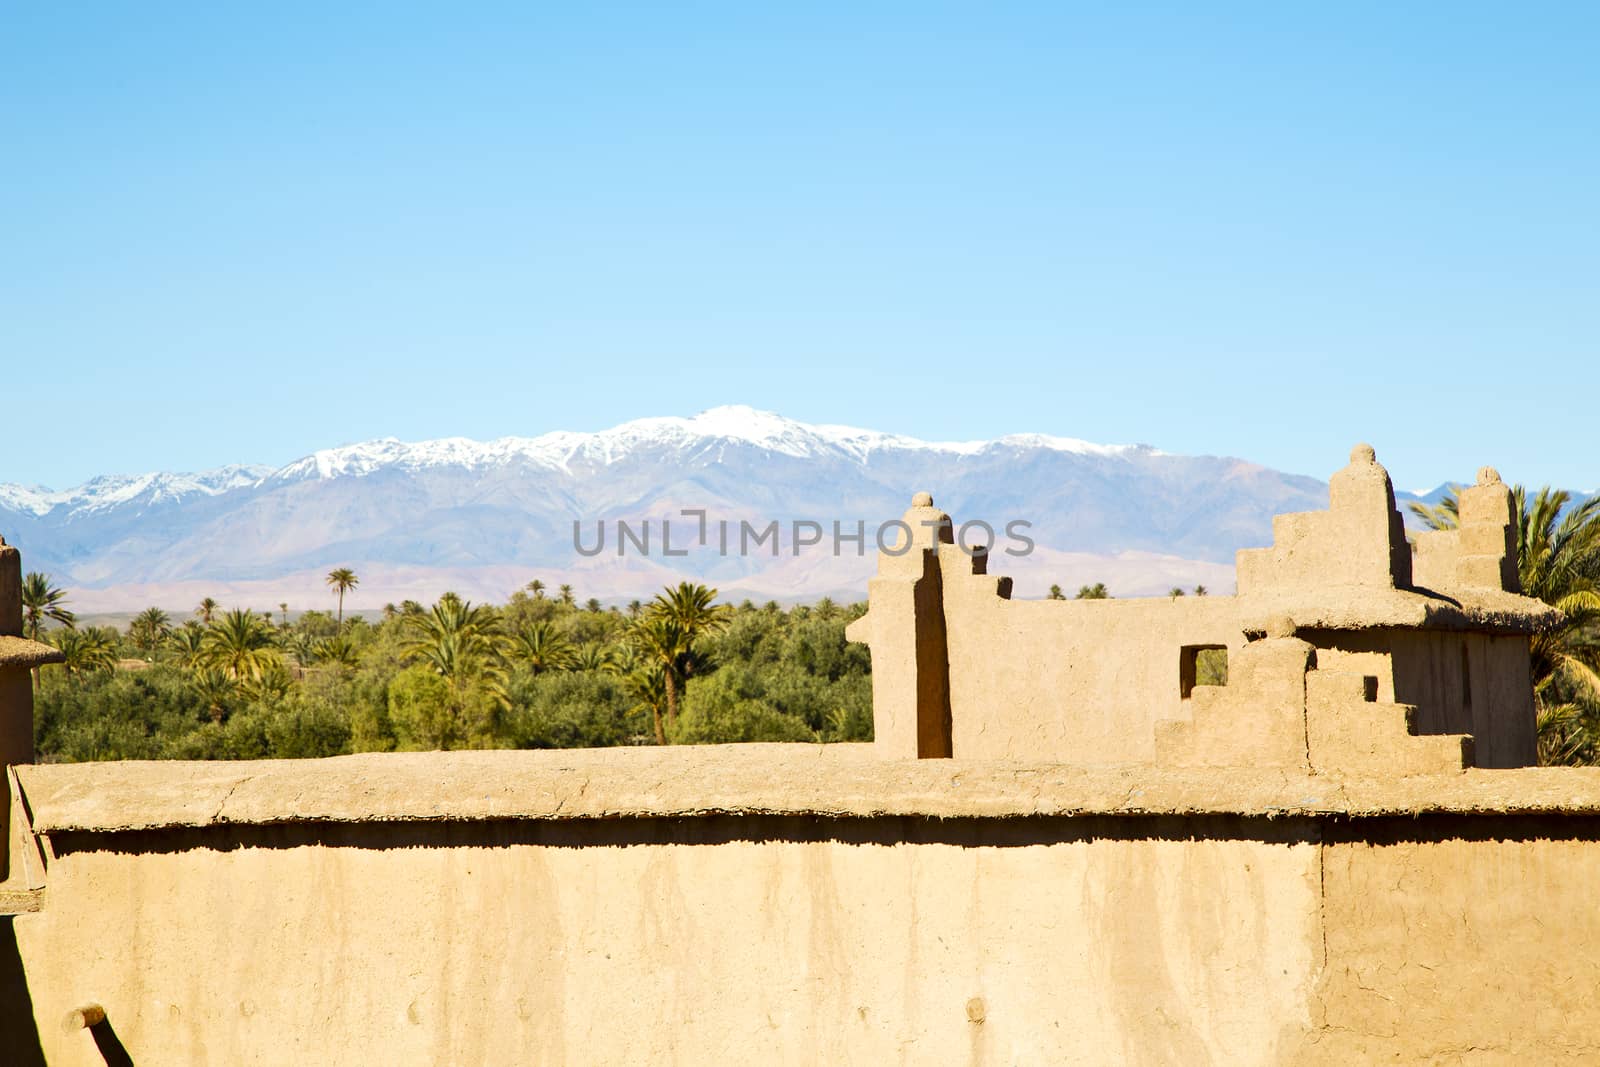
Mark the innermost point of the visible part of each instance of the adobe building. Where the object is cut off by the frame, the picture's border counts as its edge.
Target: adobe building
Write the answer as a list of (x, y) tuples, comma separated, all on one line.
[(1059, 850), (1434, 636)]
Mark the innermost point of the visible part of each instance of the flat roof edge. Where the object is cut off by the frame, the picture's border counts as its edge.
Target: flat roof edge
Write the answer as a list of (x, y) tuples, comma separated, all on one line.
[(21, 652), (740, 780)]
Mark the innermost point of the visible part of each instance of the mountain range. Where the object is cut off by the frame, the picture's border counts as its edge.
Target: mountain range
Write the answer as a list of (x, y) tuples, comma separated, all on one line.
[(485, 518)]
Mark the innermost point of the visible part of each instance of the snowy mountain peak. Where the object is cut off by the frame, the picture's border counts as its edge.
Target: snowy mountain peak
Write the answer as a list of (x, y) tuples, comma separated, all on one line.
[(666, 437), (115, 490), (559, 449), (743, 423), (772, 431), (31, 499)]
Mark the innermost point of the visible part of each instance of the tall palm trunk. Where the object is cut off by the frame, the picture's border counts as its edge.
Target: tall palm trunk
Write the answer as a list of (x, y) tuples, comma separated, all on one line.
[(661, 734), (672, 700), (31, 630)]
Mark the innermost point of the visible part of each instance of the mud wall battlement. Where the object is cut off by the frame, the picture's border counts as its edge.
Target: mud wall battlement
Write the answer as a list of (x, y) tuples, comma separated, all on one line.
[(1440, 670)]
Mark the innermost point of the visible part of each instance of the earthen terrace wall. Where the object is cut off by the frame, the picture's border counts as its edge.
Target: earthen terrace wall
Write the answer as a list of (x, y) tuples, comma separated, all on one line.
[(799, 904)]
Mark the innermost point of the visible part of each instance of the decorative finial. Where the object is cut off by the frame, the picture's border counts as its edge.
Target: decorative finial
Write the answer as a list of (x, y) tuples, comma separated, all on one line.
[(922, 500), (1488, 476), (1363, 453)]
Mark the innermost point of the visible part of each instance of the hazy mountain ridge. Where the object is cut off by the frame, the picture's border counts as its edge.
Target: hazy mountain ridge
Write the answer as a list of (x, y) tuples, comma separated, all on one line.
[(473, 512)]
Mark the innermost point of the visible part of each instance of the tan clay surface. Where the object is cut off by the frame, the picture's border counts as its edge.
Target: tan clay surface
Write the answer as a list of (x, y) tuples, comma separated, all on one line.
[(834, 780), (488, 949)]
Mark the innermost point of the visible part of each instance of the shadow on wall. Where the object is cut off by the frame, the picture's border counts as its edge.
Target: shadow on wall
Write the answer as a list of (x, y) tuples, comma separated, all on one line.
[(110, 1045), (18, 1036), (880, 831)]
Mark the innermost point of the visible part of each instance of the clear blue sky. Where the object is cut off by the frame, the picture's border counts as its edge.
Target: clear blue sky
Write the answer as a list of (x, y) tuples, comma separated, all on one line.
[(241, 232)]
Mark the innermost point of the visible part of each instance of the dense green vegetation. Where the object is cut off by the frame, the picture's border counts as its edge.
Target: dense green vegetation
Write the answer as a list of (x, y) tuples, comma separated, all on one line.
[(536, 672)]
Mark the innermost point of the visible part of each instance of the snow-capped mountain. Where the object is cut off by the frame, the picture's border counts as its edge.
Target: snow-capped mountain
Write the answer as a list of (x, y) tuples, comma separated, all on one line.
[(563, 451), (486, 517), (116, 490)]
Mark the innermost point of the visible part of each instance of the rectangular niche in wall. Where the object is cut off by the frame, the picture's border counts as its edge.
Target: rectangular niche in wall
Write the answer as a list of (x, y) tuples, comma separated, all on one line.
[(1201, 665)]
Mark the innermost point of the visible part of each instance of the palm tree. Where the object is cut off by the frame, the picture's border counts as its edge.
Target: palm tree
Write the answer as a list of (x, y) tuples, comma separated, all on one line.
[(647, 686), (215, 688), (42, 601), (461, 643), (1201, 590), (634, 608), (592, 605), (149, 628), (342, 579), (659, 641), (339, 651), (1175, 592), (1055, 593), (188, 643), (1445, 515), (594, 657), (303, 647), (692, 607), (624, 657), (272, 684), (825, 608), (206, 610), (672, 625), (86, 650), (1558, 561), (240, 645), (566, 595), (536, 587), (1097, 591), (542, 647), (284, 609)]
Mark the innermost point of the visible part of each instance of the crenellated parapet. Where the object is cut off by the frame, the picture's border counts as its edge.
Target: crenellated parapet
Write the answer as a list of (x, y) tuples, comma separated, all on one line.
[(1481, 552), (1359, 541), (1348, 650)]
